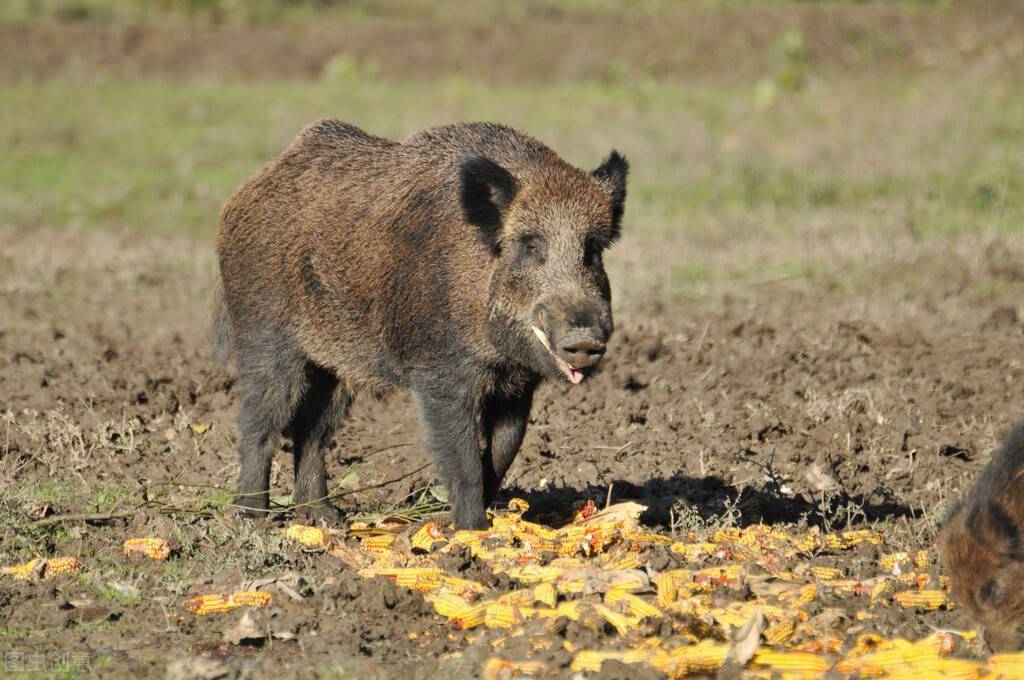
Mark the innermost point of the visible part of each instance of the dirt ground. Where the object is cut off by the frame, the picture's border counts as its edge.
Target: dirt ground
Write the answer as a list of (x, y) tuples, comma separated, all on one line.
[(866, 392), (713, 416)]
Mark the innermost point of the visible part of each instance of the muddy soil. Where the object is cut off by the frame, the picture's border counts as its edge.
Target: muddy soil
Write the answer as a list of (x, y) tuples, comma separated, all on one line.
[(801, 402)]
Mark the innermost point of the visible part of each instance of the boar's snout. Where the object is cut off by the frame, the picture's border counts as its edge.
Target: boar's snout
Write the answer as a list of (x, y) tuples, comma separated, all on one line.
[(576, 341), (1003, 638), (581, 349)]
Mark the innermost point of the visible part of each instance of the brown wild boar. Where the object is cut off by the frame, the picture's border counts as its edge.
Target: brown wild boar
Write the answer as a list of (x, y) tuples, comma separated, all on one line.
[(982, 549), (464, 263)]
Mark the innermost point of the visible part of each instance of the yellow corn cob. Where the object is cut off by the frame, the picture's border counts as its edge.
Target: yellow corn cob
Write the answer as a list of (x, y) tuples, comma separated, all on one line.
[(831, 646), (55, 566), (713, 577), (157, 548), (624, 560), (518, 506), (427, 536), (798, 597), (209, 604), (851, 538), (786, 661), (1007, 665), (921, 559), (694, 552), (498, 615), (590, 660), (927, 600), (311, 537), (889, 561), (539, 544), (827, 573), (378, 543), (620, 622), (635, 605), (703, 657), (468, 537), (667, 590), (895, 654), (937, 668), (539, 530), (532, 573), (780, 631), (569, 609), (457, 609), (546, 593), (517, 598), (421, 579), (869, 642), (42, 567)]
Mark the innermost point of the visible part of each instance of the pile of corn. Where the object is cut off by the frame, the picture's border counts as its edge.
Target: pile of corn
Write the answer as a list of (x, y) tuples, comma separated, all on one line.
[(596, 570)]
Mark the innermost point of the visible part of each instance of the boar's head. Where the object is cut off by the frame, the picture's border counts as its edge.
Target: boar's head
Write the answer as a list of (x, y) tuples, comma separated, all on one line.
[(982, 551), (549, 302)]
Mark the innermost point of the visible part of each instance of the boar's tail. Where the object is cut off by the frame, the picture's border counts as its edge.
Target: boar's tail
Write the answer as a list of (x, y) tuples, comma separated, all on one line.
[(221, 326)]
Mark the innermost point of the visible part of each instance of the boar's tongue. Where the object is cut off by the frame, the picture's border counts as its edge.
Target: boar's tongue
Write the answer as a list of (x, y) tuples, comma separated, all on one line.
[(574, 376)]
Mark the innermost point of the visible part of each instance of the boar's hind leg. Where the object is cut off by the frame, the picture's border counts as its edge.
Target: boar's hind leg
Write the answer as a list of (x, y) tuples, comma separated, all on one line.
[(451, 425), (271, 378), (505, 424), (320, 411)]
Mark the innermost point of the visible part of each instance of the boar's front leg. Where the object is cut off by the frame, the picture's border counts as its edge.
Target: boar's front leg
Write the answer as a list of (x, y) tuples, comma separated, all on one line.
[(505, 421), (451, 422)]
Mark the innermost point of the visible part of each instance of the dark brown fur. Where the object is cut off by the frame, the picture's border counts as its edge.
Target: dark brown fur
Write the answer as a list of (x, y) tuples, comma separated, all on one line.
[(355, 263), (982, 549)]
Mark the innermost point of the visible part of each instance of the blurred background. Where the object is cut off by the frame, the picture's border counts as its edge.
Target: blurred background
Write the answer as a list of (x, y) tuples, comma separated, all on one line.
[(768, 140)]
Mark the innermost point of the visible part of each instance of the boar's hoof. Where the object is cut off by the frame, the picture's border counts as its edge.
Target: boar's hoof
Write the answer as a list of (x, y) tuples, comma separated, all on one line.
[(249, 505), (319, 512)]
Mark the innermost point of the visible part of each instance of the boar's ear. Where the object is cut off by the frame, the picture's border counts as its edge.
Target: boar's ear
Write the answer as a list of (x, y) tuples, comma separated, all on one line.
[(996, 529), (611, 177), (487, 190)]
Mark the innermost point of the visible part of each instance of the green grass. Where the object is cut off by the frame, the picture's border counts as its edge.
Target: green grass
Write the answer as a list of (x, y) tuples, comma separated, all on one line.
[(163, 156)]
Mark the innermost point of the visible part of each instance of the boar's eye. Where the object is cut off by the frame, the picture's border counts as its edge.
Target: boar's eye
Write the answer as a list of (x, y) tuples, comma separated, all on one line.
[(532, 248), (989, 591), (592, 252)]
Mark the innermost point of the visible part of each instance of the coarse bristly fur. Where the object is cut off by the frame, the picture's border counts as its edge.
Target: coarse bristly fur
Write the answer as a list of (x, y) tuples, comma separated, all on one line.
[(982, 549), (464, 263)]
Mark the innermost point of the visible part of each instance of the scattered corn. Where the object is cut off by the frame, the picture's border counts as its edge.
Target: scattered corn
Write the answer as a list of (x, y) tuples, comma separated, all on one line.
[(157, 548), (42, 567), (427, 536), (311, 537), (927, 600), (209, 604)]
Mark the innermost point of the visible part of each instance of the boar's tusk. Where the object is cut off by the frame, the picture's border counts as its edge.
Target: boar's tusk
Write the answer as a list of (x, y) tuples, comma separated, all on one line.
[(543, 337)]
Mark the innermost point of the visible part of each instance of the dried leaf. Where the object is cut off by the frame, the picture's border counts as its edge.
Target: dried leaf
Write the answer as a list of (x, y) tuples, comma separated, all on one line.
[(246, 629), (744, 641), (819, 480), (627, 512)]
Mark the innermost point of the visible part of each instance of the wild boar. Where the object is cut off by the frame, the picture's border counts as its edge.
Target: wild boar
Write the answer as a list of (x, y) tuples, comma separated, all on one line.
[(464, 264), (981, 547)]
